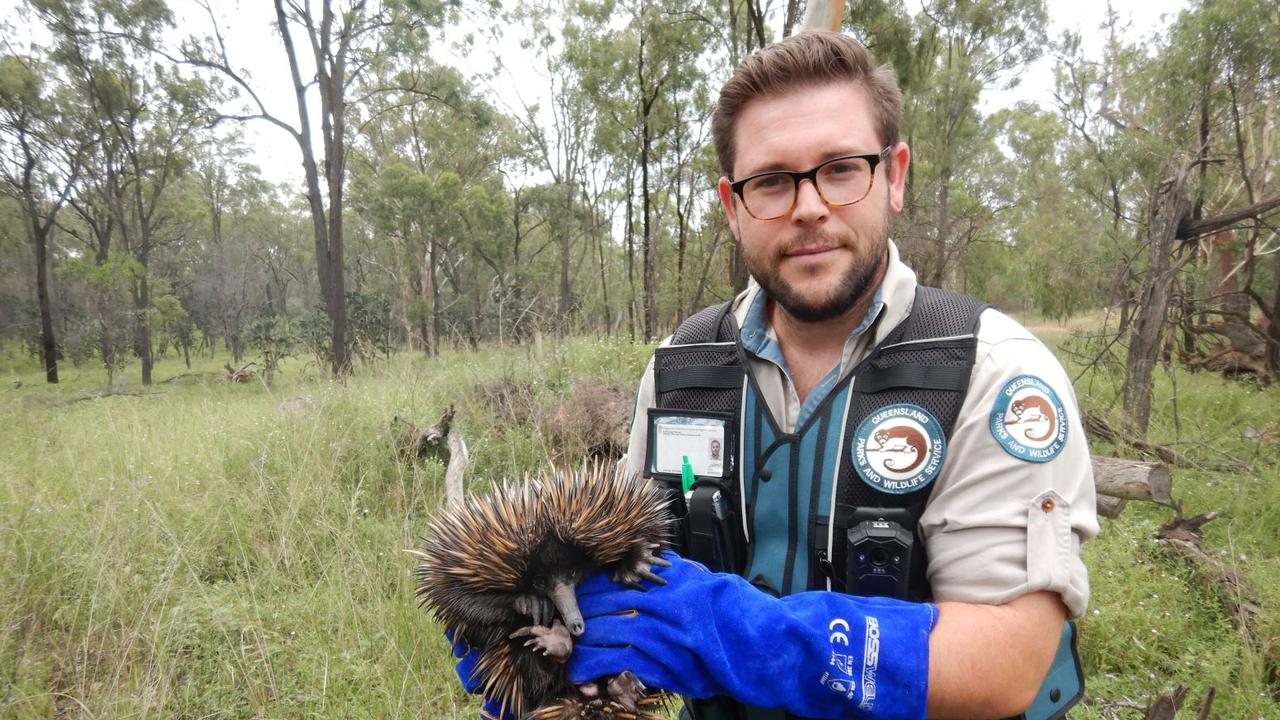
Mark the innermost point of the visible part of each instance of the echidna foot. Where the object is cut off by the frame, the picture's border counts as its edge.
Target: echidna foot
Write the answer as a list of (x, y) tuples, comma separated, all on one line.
[(627, 690), (589, 690), (630, 571), (553, 642), (538, 607)]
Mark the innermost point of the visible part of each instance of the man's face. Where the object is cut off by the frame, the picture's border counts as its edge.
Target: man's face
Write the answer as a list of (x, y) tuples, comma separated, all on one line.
[(818, 261)]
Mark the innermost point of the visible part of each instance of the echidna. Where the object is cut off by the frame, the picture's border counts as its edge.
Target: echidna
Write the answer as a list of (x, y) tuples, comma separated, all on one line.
[(500, 571)]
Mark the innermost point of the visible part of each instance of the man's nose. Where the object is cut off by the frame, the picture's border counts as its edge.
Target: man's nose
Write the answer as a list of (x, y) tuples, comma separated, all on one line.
[(810, 207)]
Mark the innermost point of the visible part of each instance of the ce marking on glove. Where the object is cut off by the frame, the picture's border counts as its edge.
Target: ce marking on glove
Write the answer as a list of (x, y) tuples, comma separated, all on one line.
[(838, 636)]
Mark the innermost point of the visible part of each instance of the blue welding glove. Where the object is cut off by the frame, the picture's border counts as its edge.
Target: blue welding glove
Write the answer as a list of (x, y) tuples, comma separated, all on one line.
[(814, 654), (466, 668)]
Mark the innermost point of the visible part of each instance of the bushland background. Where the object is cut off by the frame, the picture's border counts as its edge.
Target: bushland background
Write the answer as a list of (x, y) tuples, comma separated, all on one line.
[(179, 544)]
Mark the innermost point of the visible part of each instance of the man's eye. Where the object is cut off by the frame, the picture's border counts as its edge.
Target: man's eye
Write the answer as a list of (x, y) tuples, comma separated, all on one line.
[(843, 168), (771, 183)]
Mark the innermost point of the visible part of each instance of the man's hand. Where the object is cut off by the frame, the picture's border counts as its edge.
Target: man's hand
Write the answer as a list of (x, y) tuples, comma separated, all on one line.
[(816, 654)]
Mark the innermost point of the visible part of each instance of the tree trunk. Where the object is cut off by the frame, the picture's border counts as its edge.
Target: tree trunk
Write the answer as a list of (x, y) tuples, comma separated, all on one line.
[(682, 241), (1169, 206), (433, 290), (326, 227), (335, 167), (604, 283), (48, 345), (142, 330), (1273, 325), (566, 246), (646, 239), (935, 273), (631, 253)]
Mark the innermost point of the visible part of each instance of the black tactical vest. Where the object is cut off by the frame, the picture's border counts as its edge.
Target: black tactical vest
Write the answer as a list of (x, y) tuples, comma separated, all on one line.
[(925, 361)]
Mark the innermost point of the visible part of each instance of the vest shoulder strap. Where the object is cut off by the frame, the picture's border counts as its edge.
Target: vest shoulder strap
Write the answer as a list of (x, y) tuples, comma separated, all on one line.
[(708, 325), (931, 350), (701, 368)]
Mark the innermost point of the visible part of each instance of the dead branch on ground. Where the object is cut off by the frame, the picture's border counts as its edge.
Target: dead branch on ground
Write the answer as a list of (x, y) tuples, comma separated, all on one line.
[(442, 441), (1099, 428), (1184, 538), (240, 374)]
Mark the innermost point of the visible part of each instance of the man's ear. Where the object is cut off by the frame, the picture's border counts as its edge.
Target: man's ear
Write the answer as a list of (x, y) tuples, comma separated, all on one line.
[(899, 161), (730, 210)]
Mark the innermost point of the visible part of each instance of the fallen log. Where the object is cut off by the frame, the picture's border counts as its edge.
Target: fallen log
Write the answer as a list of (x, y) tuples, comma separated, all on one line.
[(1111, 507), (1230, 362), (1132, 480), (106, 394)]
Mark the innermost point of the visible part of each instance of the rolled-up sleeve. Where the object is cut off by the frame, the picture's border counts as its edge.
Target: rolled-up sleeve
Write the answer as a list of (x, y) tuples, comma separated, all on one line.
[(637, 445), (1003, 522)]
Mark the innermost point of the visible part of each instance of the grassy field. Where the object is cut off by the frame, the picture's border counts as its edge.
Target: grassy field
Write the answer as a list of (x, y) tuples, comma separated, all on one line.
[(210, 550)]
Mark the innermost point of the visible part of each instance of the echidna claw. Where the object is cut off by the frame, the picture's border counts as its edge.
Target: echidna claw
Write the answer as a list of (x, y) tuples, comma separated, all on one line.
[(627, 690), (647, 575), (553, 642), (536, 607), (640, 566)]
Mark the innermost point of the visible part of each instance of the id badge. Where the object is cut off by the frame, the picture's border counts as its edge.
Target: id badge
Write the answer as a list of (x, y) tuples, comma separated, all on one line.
[(705, 438)]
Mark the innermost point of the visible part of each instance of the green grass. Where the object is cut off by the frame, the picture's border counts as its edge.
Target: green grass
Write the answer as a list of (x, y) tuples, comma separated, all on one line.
[(236, 551)]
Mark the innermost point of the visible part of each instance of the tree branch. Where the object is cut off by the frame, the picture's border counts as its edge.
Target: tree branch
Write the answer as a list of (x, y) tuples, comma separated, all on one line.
[(1192, 229)]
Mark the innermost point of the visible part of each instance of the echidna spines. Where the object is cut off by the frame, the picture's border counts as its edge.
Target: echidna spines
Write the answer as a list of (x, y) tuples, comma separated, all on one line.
[(474, 565)]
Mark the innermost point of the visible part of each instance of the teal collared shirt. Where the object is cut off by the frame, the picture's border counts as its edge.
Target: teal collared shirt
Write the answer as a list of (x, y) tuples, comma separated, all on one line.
[(759, 340)]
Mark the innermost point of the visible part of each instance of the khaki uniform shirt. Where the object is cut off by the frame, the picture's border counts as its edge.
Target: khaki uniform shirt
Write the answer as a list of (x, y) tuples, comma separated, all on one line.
[(996, 526)]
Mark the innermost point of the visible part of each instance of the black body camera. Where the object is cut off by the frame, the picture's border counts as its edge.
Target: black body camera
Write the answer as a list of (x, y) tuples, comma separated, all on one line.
[(879, 543)]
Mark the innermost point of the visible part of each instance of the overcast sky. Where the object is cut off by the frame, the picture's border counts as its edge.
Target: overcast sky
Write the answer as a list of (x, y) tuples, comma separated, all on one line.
[(247, 26)]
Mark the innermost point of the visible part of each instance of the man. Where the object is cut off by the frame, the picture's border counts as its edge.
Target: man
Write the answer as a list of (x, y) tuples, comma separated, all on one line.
[(849, 407)]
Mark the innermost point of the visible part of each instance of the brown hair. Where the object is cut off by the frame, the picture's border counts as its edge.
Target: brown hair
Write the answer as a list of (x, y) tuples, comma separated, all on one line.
[(809, 58)]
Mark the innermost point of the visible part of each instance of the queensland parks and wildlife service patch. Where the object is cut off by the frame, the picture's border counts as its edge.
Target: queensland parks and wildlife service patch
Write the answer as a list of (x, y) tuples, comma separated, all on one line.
[(1028, 420), (899, 448)]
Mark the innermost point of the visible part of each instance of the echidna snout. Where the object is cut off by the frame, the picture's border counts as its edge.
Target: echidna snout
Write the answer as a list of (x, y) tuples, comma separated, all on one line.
[(565, 598)]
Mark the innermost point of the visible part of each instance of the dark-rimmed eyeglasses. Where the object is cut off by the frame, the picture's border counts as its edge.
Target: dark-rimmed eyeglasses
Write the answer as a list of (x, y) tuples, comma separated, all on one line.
[(840, 181)]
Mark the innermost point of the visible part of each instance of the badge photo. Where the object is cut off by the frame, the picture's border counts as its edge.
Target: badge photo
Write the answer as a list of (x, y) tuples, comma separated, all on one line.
[(1028, 420), (899, 449)]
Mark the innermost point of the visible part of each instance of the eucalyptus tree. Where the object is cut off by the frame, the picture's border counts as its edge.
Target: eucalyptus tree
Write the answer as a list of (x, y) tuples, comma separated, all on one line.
[(148, 116), (242, 221), (1226, 49), (1237, 200), (556, 139), (977, 44), (1048, 246), (425, 173), (645, 70), (42, 154), (344, 40), (1174, 141)]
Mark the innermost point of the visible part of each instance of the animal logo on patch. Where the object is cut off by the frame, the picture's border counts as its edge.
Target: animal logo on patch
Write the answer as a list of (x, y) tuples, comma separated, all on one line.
[(1033, 411), (1028, 420), (898, 449), (905, 440)]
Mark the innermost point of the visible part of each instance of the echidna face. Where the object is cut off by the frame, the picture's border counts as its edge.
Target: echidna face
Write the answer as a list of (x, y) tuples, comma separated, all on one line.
[(553, 572), (555, 563)]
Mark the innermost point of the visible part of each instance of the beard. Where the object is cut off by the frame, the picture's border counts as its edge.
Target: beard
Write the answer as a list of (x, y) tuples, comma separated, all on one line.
[(854, 282)]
